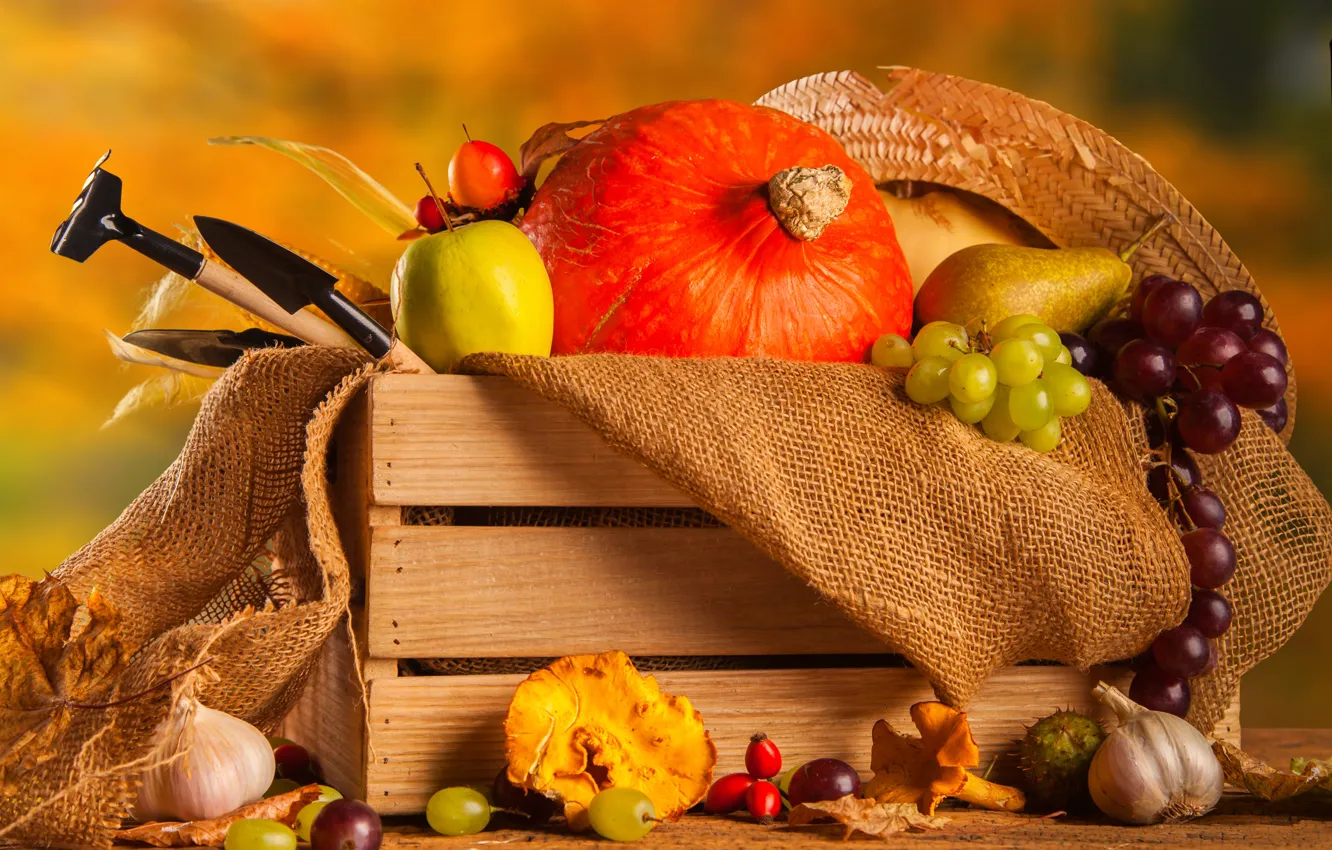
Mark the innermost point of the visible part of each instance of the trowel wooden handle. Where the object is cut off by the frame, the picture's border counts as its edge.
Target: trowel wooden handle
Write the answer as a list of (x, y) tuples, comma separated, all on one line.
[(224, 282), (403, 359)]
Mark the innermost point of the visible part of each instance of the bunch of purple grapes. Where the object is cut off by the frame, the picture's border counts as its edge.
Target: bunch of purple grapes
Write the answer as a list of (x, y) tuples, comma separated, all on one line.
[(1209, 360)]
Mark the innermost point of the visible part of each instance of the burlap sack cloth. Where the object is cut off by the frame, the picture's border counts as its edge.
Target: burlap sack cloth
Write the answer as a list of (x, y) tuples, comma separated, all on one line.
[(962, 554)]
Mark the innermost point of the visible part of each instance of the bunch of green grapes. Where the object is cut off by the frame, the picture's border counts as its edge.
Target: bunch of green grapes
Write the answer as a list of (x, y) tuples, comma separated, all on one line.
[(1019, 389)]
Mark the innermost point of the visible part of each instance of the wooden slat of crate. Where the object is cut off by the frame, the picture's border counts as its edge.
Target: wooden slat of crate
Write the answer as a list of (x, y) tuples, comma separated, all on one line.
[(433, 731), (505, 592), (459, 440)]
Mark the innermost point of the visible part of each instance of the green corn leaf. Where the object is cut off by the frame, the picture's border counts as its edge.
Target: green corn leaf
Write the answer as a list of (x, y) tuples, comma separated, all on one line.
[(364, 192)]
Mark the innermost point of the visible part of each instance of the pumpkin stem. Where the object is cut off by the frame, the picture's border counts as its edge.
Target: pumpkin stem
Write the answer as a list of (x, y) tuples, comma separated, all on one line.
[(807, 200)]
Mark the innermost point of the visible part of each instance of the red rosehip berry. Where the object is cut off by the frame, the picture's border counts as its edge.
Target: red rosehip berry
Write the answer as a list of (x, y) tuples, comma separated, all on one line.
[(728, 794), (427, 215), (763, 760), (764, 801), (293, 761)]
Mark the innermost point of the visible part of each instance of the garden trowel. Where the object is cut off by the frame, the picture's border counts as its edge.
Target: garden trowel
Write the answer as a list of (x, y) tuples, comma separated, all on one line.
[(294, 282), (219, 348), (97, 219)]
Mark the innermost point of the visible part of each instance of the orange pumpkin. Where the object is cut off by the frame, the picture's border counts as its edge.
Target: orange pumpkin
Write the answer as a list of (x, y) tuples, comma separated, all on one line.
[(711, 228)]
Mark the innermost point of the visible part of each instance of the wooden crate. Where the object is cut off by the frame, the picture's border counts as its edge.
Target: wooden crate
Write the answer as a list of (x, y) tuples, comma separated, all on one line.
[(814, 681)]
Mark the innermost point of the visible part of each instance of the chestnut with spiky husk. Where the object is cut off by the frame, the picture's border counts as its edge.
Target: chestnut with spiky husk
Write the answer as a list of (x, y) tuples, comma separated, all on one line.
[(1055, 755)]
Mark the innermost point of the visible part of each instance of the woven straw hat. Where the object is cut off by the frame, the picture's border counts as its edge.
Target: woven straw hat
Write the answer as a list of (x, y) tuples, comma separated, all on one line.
[(1071, 181)]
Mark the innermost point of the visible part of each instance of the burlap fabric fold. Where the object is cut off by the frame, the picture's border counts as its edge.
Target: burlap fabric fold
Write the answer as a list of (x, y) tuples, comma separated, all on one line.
[(212, 566), (963, 554)]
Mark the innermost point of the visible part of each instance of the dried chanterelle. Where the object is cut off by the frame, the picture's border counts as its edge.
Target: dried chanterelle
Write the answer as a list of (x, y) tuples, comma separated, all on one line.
[(589, 722), (927, 769)]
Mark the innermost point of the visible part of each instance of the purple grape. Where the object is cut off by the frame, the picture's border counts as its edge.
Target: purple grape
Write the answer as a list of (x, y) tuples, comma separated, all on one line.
[(822, 779), (1209, 613), (1212, 659), (1254, 379), (1086, 359), (1145, 370), (1208, 421), (1203, 508), (346, 825), (1181, 651), (1275, 416), (1211, 557), (1209, 347), (1236, 311), (1110, 335), (1266, 342), (1171, 312), (1157, 690), (1185, 471), (1146, 287)]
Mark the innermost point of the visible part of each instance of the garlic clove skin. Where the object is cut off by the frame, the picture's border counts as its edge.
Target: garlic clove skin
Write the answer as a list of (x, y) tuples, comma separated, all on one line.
[(208, 764), (1154, 767)]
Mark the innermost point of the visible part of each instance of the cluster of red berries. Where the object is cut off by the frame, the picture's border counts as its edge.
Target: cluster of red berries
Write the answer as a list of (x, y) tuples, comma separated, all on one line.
[(750, 790), (481, 177)]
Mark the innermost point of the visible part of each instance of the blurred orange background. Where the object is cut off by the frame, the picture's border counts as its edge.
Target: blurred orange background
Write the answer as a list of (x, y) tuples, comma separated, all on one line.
[(1229, 101)]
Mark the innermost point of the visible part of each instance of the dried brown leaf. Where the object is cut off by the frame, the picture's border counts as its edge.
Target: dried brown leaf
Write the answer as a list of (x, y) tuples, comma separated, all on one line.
[(56, 656), (202, 833), (1300, 764), (1262, 780), (868, 816), (548, 141)]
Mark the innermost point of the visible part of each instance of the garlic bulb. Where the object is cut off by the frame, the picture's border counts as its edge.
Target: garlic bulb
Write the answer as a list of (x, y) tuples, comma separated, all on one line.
[(208, 763), (1154, 767)]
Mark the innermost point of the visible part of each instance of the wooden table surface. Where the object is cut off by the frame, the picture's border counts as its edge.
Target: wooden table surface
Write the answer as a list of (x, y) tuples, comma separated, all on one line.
[(1238, 820)]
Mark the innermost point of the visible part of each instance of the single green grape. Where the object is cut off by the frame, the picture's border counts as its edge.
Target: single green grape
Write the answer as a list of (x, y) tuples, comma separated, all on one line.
[(458, 811), (974, 412), (1046, 339), (784, 779), (327, 794), (927, 382), (1029, 405), (997, 424), (1017, 362), (972, 378), (1070, 394), (281, 786), (305, 819), (1006, 327), (891, 351), (622, 814), (1044, 438), (940, 339), (1064, 356), (259, 834)]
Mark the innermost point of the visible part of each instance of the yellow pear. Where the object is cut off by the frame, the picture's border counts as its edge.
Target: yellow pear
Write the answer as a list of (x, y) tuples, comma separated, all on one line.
[(1069, 288)]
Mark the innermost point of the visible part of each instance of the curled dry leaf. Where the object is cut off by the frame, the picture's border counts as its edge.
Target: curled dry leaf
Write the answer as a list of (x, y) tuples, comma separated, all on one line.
[(589, 722), (549, 140), (56, 657), (868, 816), (925, 770), (1300, 765), (204, 833), (1262, 780)]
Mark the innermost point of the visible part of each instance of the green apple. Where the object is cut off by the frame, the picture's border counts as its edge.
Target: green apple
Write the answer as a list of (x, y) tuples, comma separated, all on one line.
[(479, 287)]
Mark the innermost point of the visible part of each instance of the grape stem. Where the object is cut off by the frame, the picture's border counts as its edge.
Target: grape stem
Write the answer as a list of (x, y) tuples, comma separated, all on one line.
[(1173, 493)]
